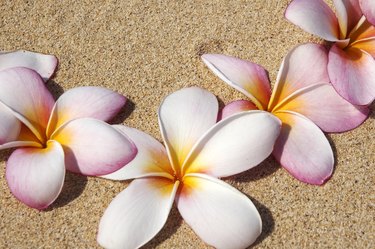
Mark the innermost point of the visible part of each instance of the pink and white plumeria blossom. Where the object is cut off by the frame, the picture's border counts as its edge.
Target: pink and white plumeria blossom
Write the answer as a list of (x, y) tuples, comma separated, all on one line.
[(44, 64), (198, 151), (351, 64), (302, 99), (69, 133)]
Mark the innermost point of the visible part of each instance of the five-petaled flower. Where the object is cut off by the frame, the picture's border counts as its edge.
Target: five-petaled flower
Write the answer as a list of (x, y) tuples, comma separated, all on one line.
[(70, 133), (198, 151), (351, 65), (302, 99)]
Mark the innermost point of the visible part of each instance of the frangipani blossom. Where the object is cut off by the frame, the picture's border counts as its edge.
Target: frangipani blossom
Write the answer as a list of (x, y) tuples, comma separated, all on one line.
[(45, 65), (53, 136), (198, 151), (351, 64), (302, 99)]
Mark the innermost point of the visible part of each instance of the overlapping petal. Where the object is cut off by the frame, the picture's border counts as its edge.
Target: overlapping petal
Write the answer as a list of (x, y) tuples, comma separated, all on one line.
[(368, 9), (44, 64), (303, 150), (315, 17), (236, 107), (10, 126), (32, 103), (219, 214), (247, 77), (296, 71), (322, 105), (184, 116), (367, 45), (137, 214), (151, 159), (352, 73), (85, 102), (93, 147), (36, 176), (235, 144), (348, 14)]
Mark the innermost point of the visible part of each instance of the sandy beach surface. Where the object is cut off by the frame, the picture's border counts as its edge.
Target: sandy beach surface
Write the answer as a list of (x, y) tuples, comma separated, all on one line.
[(146, 50)]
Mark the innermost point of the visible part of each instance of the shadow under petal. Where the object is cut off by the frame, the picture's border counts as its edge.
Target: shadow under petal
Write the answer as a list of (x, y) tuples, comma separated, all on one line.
[(74, 185), (124, 112), (268, 222), (173, 223), (54, 88)]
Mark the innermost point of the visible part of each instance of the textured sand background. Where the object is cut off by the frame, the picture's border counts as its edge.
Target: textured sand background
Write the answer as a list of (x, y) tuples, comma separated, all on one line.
[(148, 49)]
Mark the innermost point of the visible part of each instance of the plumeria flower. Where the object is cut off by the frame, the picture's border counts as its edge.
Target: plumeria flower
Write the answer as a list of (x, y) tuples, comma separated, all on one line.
[(351, 65), (302, 99), (52, 137), (45, 65), (198, 151)]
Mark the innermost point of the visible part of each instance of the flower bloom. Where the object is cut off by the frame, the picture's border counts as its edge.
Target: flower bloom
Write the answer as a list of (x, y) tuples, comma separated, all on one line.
[(53, 136), (351, 65), (198, 151), (302, 99)]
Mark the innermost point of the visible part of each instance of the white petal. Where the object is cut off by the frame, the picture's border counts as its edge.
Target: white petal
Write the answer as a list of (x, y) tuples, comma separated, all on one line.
[(219, 214), (44, 64), (184, 116), (137, 214), (235, 144)]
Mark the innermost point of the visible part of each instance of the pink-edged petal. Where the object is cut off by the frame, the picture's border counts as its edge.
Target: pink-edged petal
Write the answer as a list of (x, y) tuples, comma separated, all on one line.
[(36, 176), (322, 105), (348, 15), (137, 214), (352, 74), (303, 150), (236, 107), (247, 77), (235, 144), (303, 66), (93, 147), (219, 214), (44, 64), (23, 91), (184, 116), (314, 17), (368, 9), (86, 102), (10, 126), (151, 159)]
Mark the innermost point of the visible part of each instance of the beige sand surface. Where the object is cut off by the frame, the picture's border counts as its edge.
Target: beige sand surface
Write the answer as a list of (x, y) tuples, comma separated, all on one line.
[(148, 49)]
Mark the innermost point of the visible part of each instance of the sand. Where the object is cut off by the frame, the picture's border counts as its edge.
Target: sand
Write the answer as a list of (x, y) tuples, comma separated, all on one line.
[(146, 50)]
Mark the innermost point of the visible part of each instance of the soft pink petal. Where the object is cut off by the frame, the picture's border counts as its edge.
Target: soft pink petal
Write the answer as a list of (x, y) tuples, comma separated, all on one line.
[(44, 64), (36, 176), (303, 150), (235, 144), (151, 159), (348, 15), (245, 76), (137, 214), (303, 66), (219, 214), (352, 73), (184, 116), (315, 17), (236, 107), (368, 9), (24, 92), (322, 105), (86, 102), (93, 147), (10, 126)]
